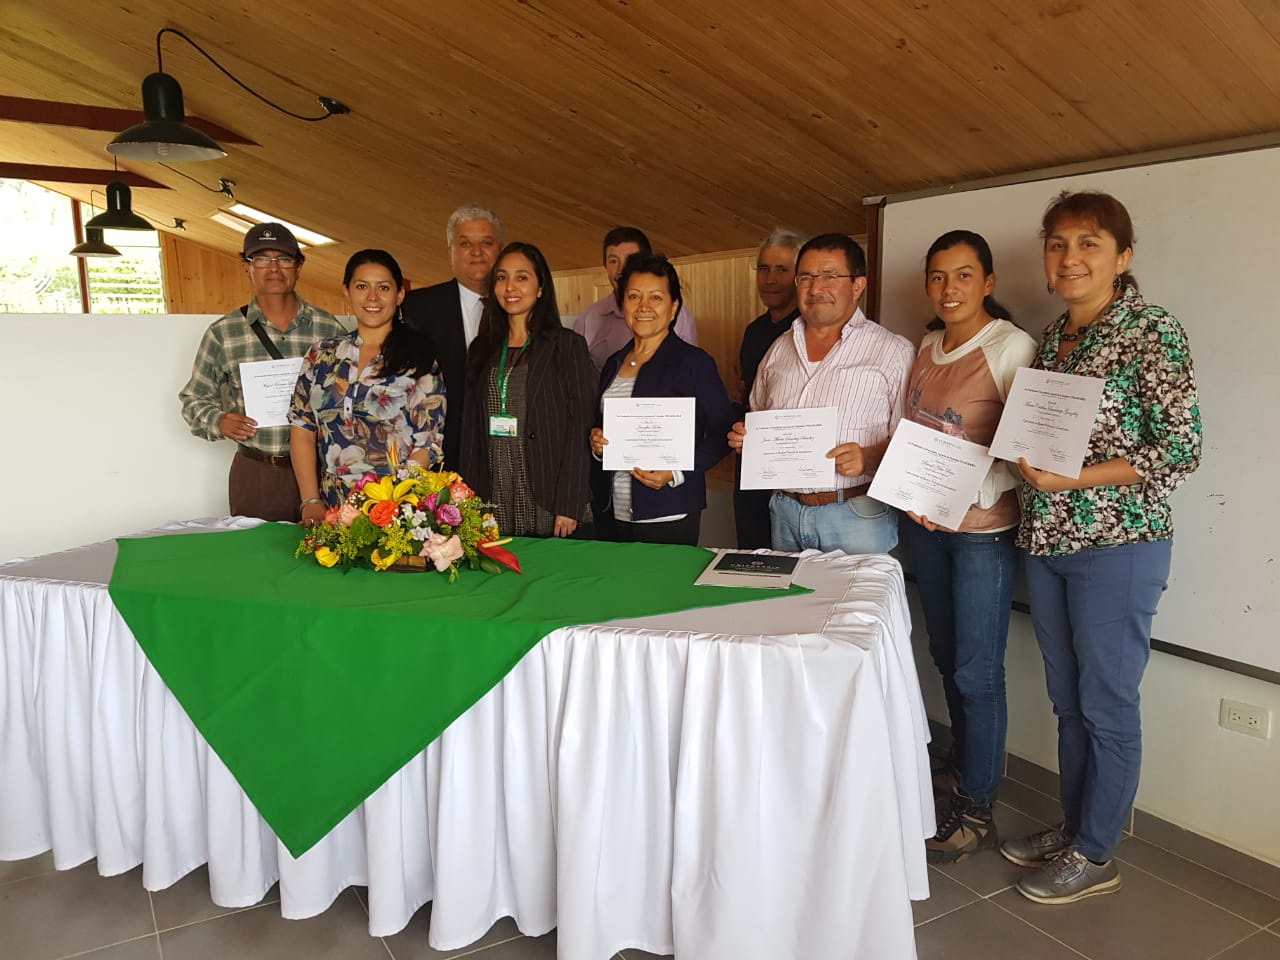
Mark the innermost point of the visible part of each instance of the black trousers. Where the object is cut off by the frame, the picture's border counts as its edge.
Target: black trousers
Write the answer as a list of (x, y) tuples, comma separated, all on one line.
[(685, 530)]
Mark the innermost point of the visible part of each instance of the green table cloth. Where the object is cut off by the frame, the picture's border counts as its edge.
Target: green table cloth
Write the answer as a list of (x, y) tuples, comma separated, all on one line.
[(315, 687)]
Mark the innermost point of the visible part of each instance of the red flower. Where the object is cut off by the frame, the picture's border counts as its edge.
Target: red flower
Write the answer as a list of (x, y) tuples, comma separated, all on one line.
[(383, 512)]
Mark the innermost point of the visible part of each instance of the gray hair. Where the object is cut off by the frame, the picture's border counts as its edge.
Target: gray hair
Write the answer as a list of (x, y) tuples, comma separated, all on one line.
[(781, 237), (471, 211)]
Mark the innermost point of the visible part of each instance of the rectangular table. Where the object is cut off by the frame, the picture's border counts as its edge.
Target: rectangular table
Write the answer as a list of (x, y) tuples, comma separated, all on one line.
[(745, 781)]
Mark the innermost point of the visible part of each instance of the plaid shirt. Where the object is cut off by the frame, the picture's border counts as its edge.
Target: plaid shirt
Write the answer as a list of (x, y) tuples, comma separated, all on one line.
[(214, 387)]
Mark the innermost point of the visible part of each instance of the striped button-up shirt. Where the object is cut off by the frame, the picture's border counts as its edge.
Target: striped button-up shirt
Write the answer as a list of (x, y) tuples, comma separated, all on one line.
[(214, 387), (864, 376)]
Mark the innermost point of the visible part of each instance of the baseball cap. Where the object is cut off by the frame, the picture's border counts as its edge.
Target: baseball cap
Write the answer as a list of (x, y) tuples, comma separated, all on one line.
[(270, 236)]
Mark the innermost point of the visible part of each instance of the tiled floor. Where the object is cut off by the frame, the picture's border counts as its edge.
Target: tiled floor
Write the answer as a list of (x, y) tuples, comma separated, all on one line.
[(1183, 898)]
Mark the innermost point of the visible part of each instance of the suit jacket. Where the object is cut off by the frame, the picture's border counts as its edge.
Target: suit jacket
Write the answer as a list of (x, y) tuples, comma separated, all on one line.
[(676, 369), (437, 312), (556, 424)]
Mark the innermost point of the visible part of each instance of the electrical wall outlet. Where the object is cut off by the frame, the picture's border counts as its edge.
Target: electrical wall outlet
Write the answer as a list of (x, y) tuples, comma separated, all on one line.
[(1245, 718)]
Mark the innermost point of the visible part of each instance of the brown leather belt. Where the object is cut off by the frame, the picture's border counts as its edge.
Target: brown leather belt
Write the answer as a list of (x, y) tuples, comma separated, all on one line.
[(823, 497), (273, 460)]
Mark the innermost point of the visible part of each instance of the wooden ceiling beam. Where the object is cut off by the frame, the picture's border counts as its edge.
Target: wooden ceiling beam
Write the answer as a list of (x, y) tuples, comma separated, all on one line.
[(46, 174), (89, 117)]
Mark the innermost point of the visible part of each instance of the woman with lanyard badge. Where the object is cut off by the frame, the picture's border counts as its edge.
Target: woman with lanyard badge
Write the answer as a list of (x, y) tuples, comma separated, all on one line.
[(529, 398), (361, 395)]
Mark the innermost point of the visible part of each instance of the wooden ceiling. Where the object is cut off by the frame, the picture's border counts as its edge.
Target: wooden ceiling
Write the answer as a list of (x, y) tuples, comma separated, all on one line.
[(706, 122)]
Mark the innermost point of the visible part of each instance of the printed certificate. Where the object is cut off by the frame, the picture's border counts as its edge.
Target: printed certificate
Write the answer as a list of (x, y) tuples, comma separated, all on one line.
[(787, 449), (268, 388), (930, 473), (1047, 420), (652, 433)]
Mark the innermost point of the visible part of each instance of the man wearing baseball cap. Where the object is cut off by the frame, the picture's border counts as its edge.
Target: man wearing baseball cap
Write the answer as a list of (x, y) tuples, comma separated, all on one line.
[(275, 324)]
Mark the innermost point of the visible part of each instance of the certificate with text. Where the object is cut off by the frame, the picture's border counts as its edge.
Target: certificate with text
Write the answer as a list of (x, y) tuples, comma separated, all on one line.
[(268, 389), (930, 473), (787, 449), (1047, 420), (651, 433)]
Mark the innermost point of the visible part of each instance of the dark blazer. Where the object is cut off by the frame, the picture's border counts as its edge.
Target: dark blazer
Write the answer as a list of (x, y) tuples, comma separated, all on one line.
[(676, 369), (556, 424), (437, 312)]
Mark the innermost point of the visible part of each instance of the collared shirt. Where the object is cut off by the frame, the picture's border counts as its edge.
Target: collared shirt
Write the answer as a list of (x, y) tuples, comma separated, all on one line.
[(472, 310), (214, 387), (607, 332), (864, 376), (359, 415), (1149, 415)]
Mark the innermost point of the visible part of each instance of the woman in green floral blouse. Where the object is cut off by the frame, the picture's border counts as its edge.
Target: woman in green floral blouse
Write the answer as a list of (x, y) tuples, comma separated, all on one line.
[(1098, 547)]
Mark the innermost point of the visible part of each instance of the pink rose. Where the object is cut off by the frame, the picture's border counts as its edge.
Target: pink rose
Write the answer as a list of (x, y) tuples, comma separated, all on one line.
[(459, 491), (347, 514), (429, 503), (367, 478), (448, 513), (440, 551)]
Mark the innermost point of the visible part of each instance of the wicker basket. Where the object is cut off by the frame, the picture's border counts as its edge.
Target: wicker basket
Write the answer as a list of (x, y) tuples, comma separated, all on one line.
[(411, 564)]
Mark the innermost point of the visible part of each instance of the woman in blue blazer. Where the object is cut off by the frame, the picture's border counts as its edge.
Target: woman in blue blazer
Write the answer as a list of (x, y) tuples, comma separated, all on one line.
[(658, 506)]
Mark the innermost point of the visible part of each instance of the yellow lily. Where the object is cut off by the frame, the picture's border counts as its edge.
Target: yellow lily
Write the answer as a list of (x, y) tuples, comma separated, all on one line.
[(326, 557), (385, 489)]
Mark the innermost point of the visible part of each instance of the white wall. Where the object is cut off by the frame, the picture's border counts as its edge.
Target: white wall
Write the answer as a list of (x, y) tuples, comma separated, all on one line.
[(96, 444)]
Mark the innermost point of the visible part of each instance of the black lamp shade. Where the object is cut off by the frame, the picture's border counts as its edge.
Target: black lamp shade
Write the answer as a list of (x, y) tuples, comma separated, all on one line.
[(94, 245), (164, 135), (119, 214)]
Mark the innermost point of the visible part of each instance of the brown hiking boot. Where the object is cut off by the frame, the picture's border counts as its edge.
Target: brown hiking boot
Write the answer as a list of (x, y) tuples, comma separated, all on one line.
[(966, 829)]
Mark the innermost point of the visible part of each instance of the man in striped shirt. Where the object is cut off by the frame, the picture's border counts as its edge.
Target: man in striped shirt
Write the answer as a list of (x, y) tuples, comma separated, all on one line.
[(835, 357), (275, 324)]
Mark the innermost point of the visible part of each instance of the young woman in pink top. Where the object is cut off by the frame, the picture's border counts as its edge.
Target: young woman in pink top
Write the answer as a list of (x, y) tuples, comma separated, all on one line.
[(958, 385)]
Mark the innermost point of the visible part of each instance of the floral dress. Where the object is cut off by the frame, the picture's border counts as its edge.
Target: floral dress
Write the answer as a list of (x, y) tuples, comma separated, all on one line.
[(1149, 415), (359, 414)]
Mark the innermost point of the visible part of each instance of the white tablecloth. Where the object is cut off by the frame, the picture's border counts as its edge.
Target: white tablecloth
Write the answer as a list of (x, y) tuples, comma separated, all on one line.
[(734, 782)]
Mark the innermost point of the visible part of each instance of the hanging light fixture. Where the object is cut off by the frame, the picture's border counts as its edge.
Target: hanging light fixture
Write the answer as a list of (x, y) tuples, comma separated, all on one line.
[(119, 214), (165, 134), (94, 245)]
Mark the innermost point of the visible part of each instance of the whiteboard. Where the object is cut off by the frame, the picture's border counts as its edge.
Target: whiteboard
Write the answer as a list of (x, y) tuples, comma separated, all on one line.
[(1207, 249)]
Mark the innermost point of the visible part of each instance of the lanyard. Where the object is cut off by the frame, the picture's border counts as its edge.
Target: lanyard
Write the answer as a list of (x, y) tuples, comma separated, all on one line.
[(504, 380)]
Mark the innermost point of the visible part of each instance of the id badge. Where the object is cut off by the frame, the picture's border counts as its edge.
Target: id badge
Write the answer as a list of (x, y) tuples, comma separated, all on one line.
[(503, 425)]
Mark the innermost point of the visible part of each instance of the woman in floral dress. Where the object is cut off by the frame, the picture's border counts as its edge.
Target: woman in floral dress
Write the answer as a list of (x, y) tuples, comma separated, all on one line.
[(364, 396), (1098, 546)]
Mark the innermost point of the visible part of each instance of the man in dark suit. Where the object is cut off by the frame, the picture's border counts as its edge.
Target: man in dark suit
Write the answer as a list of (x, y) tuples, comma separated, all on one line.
[(449, 313)]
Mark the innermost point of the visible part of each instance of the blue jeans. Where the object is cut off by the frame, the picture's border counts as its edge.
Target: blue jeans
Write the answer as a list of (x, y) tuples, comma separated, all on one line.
[(1092, 614), (857, 525), (966, 584)]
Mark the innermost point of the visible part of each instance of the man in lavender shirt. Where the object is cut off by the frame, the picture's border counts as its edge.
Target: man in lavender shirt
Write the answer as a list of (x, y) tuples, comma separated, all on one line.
[(834, 356), (602, 323)]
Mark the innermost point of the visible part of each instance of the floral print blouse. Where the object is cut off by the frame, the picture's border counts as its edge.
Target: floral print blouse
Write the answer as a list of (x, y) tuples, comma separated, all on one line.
[(1149, 415), (359, 415)]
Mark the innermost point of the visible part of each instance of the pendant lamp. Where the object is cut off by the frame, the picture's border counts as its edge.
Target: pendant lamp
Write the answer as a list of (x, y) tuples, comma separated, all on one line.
[(119, 214), (94, 245), (164, 135)]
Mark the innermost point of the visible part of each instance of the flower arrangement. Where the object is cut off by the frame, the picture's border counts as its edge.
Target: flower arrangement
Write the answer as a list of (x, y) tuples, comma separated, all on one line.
[(406, 520)]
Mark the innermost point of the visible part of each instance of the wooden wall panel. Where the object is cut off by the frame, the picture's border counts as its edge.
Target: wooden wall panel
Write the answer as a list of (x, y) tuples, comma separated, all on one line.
[(199, 279)]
